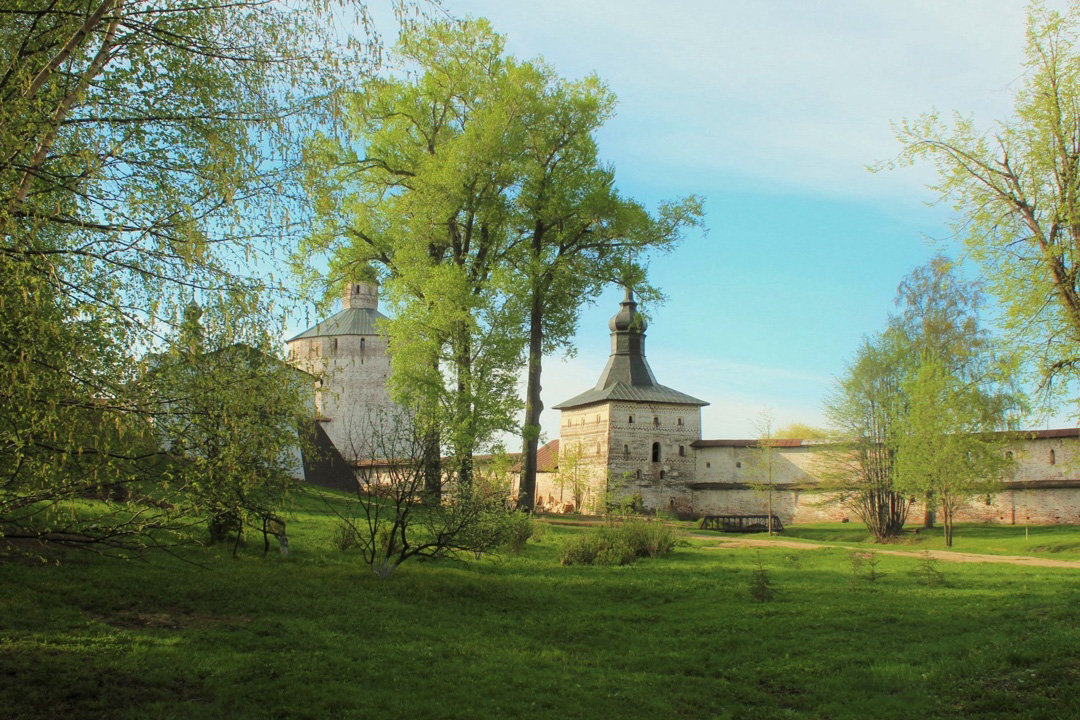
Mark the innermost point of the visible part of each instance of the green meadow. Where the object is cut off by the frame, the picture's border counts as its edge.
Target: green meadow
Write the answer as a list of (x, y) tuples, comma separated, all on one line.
[(204, 635)]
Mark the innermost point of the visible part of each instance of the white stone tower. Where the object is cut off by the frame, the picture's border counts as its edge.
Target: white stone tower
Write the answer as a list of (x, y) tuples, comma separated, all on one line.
[(629, 429), (349, 356)]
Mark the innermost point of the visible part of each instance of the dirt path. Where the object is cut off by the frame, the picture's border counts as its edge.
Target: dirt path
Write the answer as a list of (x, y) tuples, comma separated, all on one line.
[(946, 556)]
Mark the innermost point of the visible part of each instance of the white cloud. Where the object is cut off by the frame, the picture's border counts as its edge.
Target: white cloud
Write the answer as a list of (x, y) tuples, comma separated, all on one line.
[(793, 94)]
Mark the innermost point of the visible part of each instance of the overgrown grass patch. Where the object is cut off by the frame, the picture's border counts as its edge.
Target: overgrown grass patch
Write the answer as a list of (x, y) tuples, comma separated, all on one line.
[(317, 636)]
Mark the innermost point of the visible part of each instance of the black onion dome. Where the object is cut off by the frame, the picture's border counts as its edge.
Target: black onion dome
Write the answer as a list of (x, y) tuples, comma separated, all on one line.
[(628, 317)]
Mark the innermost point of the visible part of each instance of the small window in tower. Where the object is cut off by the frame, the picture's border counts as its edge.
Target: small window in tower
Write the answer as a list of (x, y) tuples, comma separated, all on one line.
[(333, 345), (362, 350), (682, 451), (597, 448), (656, 452), (656, 421), (662, 474), (597, 419), (1053, 457), (630, 420), (708, 464), (638, 474), (626, 452), (738, 464), (679, 422)]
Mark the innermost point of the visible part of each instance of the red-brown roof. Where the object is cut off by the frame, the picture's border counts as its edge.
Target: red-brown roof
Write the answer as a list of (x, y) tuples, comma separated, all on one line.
[(785, 443), (778, 442), (1047, 434), (547, 457)]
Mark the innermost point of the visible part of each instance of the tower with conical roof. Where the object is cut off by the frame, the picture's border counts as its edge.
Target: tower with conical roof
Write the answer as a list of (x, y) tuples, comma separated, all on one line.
[(348, 354), (629, 431)]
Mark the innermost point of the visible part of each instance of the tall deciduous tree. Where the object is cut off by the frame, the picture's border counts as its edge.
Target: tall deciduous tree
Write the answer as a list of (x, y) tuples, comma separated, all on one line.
[(918, 409), (953, 358), (418, 186), (474, 184), (1017, 192), (948, 452), (146, 150), (577, 233)]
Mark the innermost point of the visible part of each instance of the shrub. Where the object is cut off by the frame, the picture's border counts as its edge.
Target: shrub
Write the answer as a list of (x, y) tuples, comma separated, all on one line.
[(519, 528), (646, 538), (619, 544), (581, 549), (345, 537)]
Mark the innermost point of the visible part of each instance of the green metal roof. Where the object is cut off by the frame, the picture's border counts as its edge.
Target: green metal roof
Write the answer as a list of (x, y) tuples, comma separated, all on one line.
[(350, 321), (630, 393)]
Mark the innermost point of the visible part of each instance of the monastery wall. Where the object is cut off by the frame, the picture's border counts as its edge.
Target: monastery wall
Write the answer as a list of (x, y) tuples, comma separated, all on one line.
[(1043, 487)]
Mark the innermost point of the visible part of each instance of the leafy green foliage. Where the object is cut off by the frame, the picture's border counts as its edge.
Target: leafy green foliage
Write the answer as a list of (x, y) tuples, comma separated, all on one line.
[(473, 185), (1015, 190), (921, 411), (229, 416), (865, 410), (147, 157)]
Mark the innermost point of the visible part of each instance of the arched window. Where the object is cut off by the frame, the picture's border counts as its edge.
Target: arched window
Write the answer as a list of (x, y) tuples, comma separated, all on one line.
[(656, 421), (656, 452), (662, 474), (679, 422), (638, 474), (1053, 457), (333, 346), (626, 452), (682, 451), (362, 350), (630, 420)]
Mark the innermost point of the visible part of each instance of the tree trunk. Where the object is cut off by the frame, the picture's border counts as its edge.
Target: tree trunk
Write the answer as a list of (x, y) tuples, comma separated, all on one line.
[(464, 439), (432, 461), (533, 406)]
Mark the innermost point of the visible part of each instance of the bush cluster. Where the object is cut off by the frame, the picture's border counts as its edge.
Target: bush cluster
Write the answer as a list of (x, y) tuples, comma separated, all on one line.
[(519, 529), (619, 543)]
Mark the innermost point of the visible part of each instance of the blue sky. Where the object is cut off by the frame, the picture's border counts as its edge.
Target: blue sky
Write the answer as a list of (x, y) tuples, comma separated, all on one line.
[(770, 110)]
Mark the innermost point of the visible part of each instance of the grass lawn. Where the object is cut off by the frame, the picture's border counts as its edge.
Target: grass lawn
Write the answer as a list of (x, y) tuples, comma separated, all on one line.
[(1052, 541), (317, 636)]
